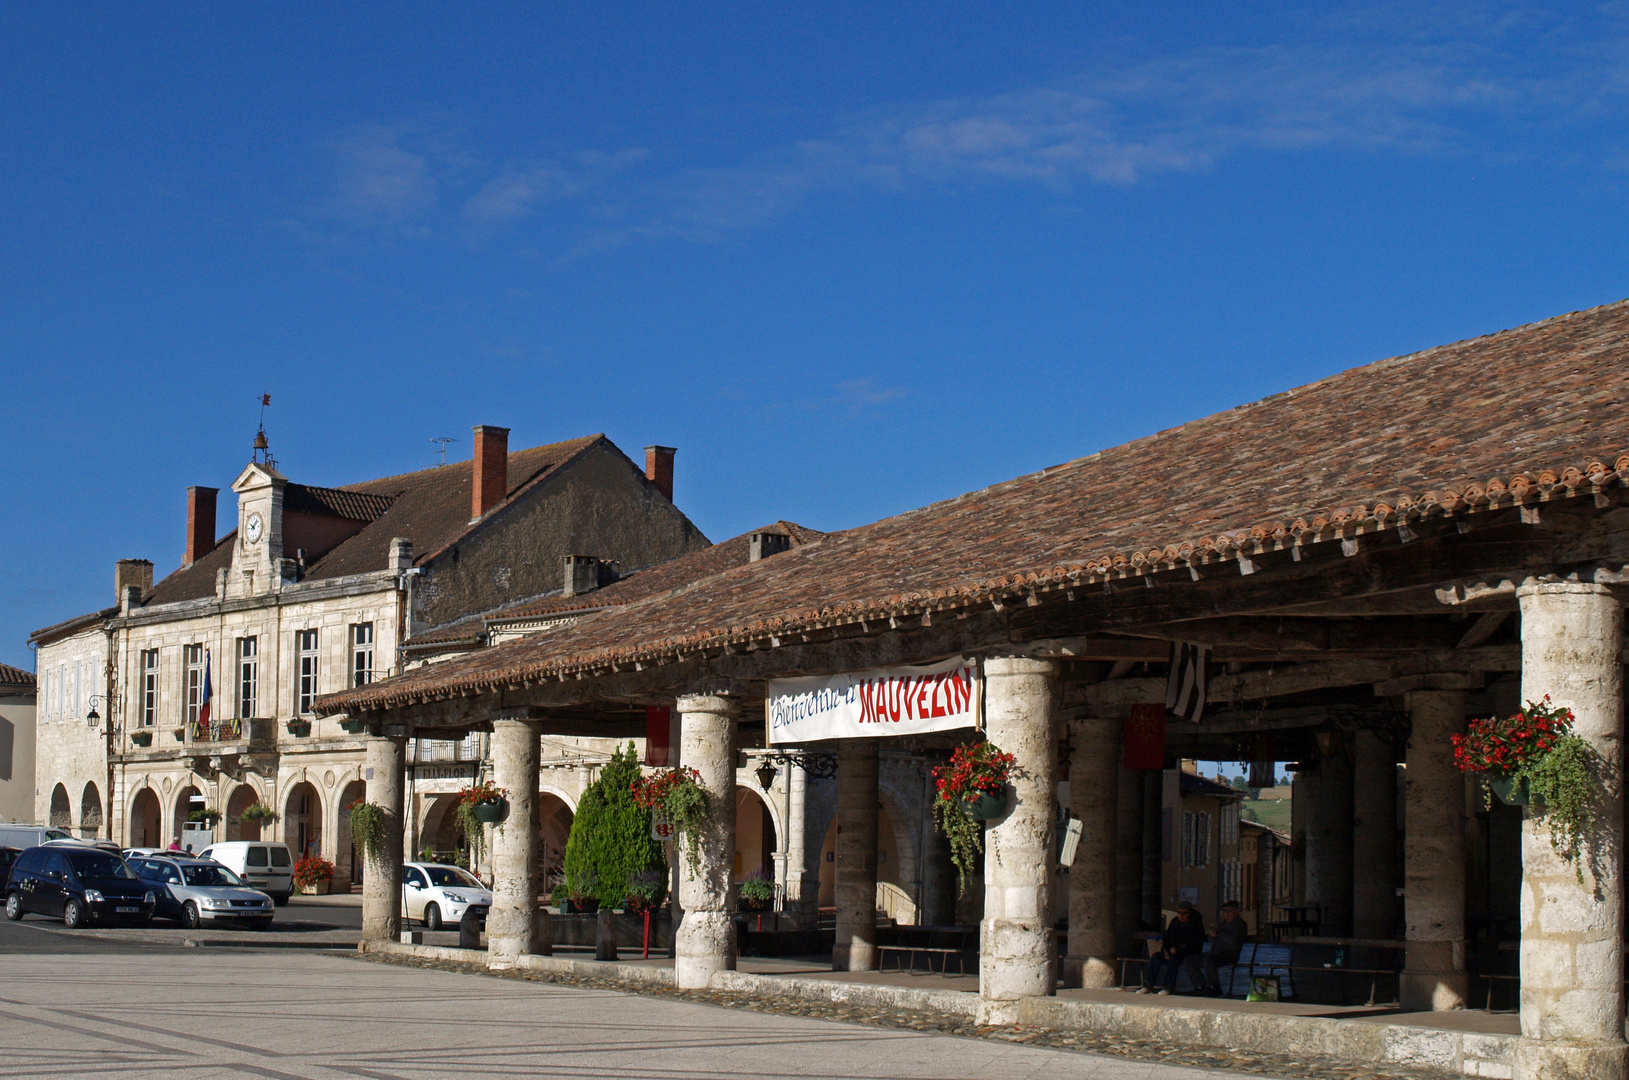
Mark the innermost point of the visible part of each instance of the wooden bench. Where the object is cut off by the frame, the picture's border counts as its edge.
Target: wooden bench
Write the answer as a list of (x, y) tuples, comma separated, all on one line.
[(941, 942)]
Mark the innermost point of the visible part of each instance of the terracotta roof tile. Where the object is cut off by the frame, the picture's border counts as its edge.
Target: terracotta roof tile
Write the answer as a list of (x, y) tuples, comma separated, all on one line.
[(1537, 412), (15, 676)]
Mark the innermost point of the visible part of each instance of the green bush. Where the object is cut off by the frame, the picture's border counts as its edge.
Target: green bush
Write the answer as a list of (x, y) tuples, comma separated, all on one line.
[(610, 839)]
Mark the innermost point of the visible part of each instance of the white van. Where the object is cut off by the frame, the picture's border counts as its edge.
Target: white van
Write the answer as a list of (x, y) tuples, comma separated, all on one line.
[(268, 867), (27, 836)]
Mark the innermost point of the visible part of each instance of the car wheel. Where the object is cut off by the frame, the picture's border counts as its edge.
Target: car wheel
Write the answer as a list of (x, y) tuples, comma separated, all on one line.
[(432, 917), (189, 916), (281, 899), (14, 907), (73, 916)]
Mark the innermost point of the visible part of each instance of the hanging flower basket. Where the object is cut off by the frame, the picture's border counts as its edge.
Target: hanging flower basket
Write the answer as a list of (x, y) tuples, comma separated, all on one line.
[(353, 727), (675, 797), (141, 738), (474, 805), (969, 791), (490, 813), (1532, 759), (301, 728), (1510, 790)]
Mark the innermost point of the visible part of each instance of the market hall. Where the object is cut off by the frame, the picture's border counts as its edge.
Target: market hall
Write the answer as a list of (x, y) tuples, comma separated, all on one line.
[(1362, 565)]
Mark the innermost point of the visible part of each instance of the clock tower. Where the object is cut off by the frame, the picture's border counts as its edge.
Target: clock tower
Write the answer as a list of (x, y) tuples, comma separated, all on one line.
[(257, 555)]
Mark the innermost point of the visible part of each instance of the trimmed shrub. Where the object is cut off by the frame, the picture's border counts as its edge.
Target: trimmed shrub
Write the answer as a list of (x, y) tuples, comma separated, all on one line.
[(610, 841)]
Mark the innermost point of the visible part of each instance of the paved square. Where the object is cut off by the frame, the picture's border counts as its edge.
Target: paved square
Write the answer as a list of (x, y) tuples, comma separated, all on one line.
[(245, 1013)]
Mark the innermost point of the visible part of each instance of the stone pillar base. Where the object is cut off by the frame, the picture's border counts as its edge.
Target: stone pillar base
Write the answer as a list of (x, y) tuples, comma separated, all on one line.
[(1433, 991), (1089, 972), (998, 1013), (1016, 961), (703, 946), (543, 933), (1537, 1059)]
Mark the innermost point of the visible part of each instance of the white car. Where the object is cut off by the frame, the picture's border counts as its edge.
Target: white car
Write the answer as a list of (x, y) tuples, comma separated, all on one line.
[(436, 894)]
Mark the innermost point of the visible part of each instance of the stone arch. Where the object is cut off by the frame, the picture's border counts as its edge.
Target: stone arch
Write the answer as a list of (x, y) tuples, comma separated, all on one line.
[(756, 834), (243, 797), (554, 817), (302, 819), (90, 811), (146, 820), (184, 805), (439, 832), (348, 858), (893, 838), (62, 814)]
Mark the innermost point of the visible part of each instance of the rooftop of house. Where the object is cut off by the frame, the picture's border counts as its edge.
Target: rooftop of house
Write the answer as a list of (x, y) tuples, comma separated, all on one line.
[(13, 677), (1454, 429)]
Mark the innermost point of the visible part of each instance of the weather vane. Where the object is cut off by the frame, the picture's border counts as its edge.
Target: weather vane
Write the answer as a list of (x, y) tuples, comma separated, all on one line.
[(262, 453)]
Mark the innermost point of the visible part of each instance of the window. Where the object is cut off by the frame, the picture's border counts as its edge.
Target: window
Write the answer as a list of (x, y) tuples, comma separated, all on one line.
[(149, 687), (62, 691), (306, 641), (194, 657), (361, 654), (248, 676), (1195, 838), (79, 691), (1230, 823), (45, 694)]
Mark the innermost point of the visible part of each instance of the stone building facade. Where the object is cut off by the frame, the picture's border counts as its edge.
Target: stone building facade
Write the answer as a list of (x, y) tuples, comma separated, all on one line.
[(314, 591), (17, 709)]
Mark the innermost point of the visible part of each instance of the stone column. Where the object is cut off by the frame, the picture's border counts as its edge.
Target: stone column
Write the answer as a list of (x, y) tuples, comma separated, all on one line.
[(1153, 850), (1094, 797), (1128, 869), (1329, 848), (856, 886), (800, 907), (382, 882), (1572, 995), (705, 940), (512, 922), (1434, 856), (1374, 837), (1016, 943)]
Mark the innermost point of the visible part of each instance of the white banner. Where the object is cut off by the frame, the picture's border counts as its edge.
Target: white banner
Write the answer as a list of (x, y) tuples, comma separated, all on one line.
[(876, 703)]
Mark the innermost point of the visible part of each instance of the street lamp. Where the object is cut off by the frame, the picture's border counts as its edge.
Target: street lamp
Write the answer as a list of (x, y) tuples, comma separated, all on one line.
[(93, 718), (766, 774)]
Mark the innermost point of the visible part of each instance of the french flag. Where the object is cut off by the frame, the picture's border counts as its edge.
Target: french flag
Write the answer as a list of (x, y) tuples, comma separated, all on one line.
[(209, 692)]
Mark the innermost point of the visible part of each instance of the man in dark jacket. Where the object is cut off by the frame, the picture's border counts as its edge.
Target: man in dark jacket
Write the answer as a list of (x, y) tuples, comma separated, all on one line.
[(1184, 937), (1227, 941)]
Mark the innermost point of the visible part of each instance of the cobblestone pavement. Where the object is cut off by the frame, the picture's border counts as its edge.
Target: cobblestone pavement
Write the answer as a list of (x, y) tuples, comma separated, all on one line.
[(1106, 1043)]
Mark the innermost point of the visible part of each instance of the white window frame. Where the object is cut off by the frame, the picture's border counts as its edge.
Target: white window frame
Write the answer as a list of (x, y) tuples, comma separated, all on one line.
[(192, 657), (248, 677), (149, 687), (307, 645), (361, 654)]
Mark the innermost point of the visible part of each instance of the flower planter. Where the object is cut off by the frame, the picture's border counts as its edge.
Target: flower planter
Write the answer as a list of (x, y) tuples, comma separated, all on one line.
[(142, 738), (300, 728), (1511, 790), (353, 727), (180, 734), (318, 889), (986, 807), (755, 905), (579, 907), (490, 812)]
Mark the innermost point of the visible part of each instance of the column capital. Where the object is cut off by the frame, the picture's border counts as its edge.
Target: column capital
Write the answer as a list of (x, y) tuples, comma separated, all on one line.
[(721, 702), (1019, 665), (1563, 588)]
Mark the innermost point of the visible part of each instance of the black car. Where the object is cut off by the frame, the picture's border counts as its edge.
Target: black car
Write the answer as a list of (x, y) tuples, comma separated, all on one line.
[(77, 885), (8, 855)]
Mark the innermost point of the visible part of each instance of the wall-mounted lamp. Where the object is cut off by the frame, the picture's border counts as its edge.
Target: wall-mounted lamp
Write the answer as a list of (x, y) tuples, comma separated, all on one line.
[(766, 774), (93, 719)]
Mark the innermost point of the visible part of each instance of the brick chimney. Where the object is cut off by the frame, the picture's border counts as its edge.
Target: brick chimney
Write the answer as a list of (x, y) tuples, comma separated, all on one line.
[(134, 574), (491, 466), (659, 469), (200, 523)]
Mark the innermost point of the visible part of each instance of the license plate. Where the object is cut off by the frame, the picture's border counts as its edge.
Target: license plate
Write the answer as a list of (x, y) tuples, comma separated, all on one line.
[(126, 910)]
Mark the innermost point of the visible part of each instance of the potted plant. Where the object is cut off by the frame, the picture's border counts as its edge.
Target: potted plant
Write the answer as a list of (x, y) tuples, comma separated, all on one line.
[(208, 815), (260, 812), (298, 727), (676, 796), (478, 806), (312, 875), (645, 891), (353, 727), (1532, 759), (368, 826), (756, 892), (180, 734), (969, 791), (581, 897), (141, 738)]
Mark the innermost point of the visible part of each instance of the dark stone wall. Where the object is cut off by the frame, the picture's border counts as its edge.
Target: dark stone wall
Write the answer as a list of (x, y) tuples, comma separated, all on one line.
[(597, 504)]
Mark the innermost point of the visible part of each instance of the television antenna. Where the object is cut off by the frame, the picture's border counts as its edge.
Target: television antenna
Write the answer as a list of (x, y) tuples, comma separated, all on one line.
[(441, 448)]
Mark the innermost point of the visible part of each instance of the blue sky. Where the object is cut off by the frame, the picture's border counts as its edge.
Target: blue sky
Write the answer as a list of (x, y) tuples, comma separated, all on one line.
[(849, 259)]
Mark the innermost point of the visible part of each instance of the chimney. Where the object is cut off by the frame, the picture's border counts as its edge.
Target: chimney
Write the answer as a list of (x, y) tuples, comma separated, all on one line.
[(200, 523), (582, 574), (132, 573), (659, 469), (401, 553), (763, 545), (491, 469)]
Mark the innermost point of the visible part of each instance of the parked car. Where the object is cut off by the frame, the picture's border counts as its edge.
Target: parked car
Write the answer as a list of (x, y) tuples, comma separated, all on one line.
[(8, 855), (100, 845), (195, 891), (434, 894), (23, 837), (77, 885), (266, 866)]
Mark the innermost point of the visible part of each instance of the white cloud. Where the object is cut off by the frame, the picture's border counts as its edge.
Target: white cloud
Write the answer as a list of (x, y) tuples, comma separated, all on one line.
[(379, 183)]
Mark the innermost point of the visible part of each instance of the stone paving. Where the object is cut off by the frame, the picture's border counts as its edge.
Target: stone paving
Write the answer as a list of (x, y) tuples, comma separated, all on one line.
[(1103, 1043)]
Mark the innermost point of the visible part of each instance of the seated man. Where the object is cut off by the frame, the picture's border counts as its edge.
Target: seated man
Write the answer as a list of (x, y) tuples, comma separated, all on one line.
[(1184, 937), (1227, 941)]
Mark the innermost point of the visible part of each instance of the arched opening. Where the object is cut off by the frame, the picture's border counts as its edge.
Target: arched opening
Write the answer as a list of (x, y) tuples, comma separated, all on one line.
[(302, 820), (440, 838), (188, 799), (554, 820), (145, 820), (237, 828), (754, 835), (893, 896), (62, 815), (90, 811), (347, 856)]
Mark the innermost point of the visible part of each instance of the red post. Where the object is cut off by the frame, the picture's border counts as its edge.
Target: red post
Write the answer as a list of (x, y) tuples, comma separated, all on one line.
[(645, 954)]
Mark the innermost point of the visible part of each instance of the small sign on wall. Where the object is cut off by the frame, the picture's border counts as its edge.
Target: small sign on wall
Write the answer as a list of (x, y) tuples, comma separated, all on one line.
[(1071, 841)]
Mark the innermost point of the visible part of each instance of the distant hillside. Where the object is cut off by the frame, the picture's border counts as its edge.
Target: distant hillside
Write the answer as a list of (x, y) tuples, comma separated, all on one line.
[(1271, 812)]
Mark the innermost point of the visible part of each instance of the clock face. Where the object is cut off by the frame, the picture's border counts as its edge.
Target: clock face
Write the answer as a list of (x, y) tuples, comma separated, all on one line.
[(253, 527)]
